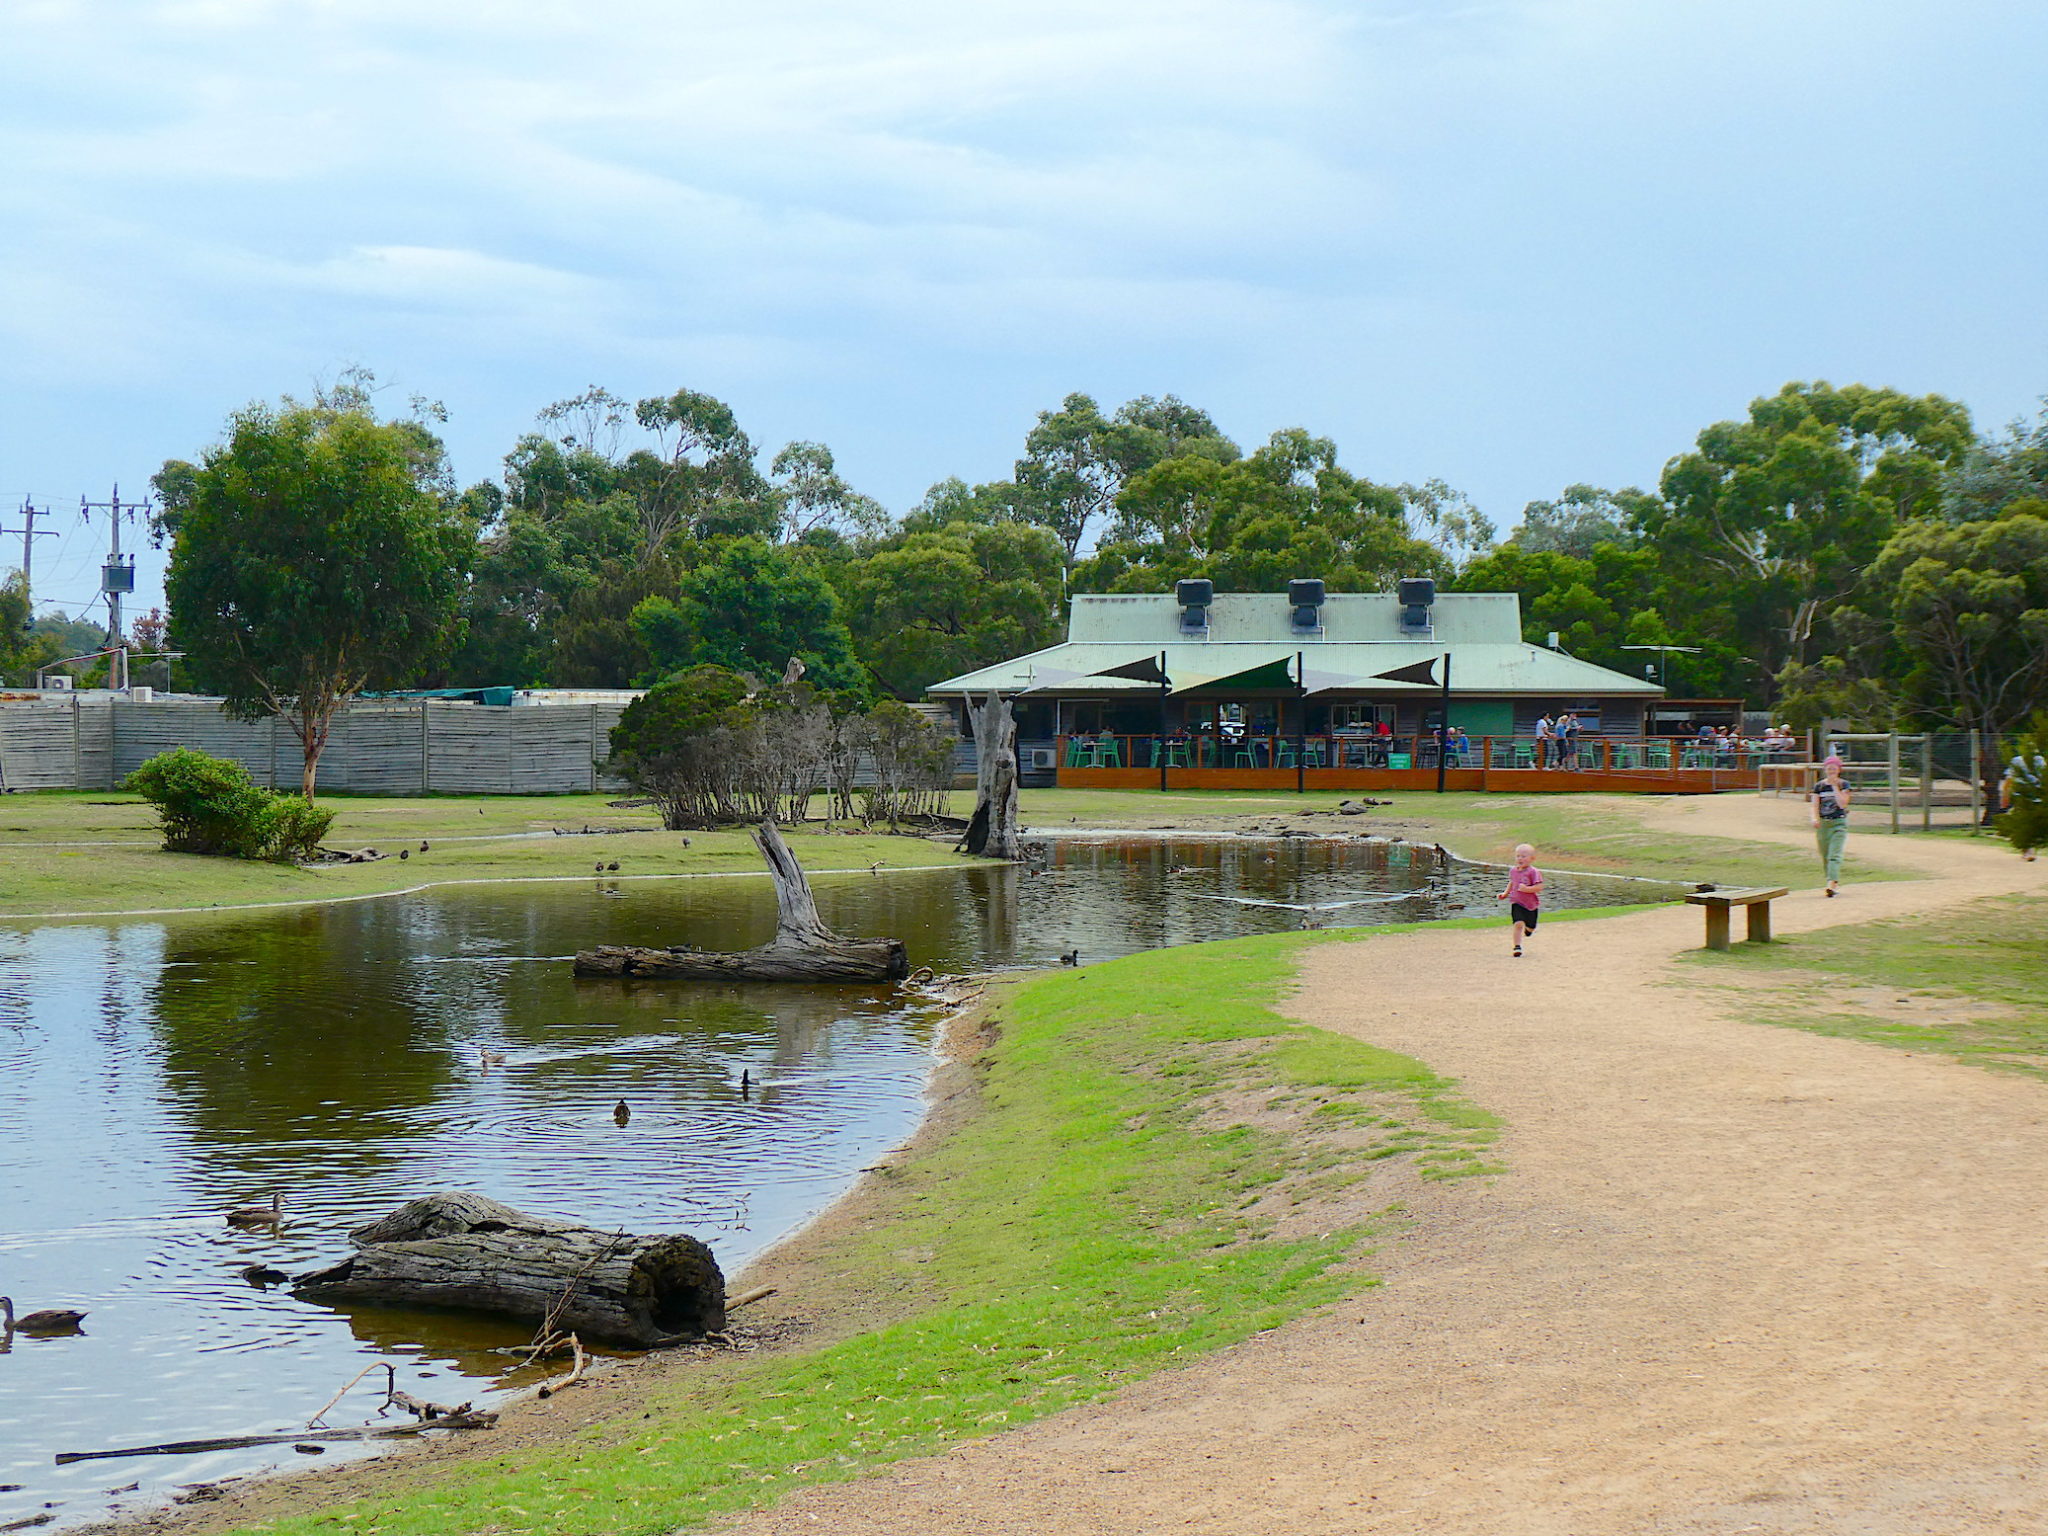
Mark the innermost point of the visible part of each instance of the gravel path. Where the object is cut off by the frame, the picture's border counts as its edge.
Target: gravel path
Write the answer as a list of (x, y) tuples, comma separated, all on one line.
[(1739, 1279)]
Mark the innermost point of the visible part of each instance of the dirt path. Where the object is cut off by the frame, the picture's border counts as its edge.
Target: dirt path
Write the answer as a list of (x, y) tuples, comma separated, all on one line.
[(1740, 1279)]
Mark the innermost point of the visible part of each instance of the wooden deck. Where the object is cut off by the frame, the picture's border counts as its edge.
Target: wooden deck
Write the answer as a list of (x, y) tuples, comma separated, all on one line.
[(1493, 765), (1527, 781)]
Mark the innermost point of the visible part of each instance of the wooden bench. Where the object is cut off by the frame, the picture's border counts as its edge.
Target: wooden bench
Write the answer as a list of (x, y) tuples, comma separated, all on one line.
[(1755, 898)]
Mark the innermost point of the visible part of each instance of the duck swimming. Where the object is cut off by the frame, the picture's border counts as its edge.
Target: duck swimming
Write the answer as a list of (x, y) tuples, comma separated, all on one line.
[(54, 1320), (258, 1215)]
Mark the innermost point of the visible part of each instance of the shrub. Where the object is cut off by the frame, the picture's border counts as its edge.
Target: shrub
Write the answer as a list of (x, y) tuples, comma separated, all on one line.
[(209, 805)]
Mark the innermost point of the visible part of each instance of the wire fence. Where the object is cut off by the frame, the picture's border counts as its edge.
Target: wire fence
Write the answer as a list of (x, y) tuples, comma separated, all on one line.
[(1923, 782)]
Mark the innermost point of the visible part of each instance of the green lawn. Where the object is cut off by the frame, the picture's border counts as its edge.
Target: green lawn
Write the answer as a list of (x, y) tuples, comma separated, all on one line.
[(1159, 1165), (1596, 832), (96, 852), (1967, 982), (116, 864)]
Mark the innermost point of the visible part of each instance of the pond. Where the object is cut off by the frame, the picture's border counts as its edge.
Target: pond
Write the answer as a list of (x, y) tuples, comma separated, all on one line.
[(163, 1071)]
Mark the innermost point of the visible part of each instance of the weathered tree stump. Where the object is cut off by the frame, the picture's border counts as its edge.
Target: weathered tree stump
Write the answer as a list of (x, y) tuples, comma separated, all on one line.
[(469, 1252), (803, 948), (994, 829)]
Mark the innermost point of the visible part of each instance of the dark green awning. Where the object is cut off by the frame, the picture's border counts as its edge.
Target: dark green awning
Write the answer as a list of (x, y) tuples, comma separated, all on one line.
[(1277, 673)]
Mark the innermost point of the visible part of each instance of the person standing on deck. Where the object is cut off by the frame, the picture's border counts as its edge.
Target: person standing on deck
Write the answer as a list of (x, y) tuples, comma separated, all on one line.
[(1524, 894), (1828, 808), (1543, 730)]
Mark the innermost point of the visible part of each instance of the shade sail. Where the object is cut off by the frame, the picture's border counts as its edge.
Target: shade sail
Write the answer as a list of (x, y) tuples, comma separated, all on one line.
[(1142, 671), (1268, 672)]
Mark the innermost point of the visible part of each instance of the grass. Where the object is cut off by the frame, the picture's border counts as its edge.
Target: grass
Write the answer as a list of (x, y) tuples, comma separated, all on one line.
[(1966, 982), (1599, 833), (116, 864), (1125, 1197)]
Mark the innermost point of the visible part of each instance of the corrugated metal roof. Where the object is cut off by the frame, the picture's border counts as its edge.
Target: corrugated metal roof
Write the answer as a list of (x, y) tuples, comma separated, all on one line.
[(1348, 618)]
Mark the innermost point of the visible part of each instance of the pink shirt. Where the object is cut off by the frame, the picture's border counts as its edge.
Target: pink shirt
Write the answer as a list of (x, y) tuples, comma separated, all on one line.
[(1525, 886)]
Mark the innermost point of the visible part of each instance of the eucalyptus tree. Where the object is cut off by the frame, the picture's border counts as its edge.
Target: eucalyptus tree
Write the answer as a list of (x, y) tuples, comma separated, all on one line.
[(318, 552)]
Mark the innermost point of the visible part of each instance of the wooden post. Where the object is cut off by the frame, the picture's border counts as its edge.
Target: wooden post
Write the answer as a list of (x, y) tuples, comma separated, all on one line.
[(1891, 758), (1927, 783), (1759, 923), (1976, 783), (1717, 927)]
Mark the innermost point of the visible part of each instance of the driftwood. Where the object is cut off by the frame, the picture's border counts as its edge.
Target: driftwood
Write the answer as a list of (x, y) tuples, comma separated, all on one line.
[(803, 948), (466, 1418), (469, 1252), (994, 830)]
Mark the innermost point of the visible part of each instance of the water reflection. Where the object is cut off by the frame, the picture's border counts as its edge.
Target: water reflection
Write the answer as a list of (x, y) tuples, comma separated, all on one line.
[(162, 1072)]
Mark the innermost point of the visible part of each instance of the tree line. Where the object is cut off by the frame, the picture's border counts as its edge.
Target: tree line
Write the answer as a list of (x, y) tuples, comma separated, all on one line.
[(1850, 553)]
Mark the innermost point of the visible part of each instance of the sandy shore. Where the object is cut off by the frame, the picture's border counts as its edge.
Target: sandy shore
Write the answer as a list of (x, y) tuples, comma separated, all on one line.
[(1739, 1279)]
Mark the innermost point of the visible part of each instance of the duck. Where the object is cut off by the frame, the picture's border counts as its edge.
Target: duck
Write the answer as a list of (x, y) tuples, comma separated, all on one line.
[(405, 853), (258, 1215), (423, 845), (613, 866), (600, 868), (260, 1275), (52, 1320), (1071, 957), (621, 1113), (489, 1057), (746, 1085)]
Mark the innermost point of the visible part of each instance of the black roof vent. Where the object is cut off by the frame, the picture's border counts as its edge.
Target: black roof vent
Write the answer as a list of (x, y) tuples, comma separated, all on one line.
[(1196, 593), (1417, 590), (1307, 593)]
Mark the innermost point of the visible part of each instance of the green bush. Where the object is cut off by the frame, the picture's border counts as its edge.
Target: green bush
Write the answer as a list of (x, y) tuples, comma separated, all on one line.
[(209, 805)]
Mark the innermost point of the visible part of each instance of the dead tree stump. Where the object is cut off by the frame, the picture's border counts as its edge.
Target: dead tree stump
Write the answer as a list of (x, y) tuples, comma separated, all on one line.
[(803, 948), (471, 1253), (994, 831)]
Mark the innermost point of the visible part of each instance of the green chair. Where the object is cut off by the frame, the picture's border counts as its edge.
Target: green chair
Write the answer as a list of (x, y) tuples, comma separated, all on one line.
[(1109, 754)]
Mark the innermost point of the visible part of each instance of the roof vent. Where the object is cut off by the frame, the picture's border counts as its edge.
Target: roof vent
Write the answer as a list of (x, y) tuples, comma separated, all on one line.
[(1306, 599), (1194, 597), (1417, 593)]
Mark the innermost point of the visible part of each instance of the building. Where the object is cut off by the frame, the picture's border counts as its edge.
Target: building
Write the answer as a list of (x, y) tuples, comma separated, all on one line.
[(1308, 689)]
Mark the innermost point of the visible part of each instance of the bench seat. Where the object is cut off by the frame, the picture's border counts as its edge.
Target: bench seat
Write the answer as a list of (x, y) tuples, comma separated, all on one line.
[(1755, 899)]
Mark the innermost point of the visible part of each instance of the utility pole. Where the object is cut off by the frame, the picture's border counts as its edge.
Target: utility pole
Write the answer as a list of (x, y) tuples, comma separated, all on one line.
[(117, 579), (29, 534)]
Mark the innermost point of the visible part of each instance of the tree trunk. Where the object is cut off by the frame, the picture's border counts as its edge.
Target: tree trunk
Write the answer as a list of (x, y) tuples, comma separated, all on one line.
[(468, 1252), (993, 831), (803, 948)]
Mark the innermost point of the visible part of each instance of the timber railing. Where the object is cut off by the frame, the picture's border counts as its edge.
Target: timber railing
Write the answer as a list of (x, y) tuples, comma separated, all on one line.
[(1339, 759)]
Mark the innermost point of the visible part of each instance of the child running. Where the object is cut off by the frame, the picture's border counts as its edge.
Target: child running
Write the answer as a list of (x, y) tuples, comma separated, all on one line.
[(1524, 894)]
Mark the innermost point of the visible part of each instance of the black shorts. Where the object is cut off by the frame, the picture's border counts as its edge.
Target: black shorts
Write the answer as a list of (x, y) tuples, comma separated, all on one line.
[(1526, 916)]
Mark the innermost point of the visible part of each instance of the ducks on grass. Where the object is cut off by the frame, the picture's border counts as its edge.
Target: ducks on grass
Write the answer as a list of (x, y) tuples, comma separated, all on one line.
[(258, 1215), (48, 1323)]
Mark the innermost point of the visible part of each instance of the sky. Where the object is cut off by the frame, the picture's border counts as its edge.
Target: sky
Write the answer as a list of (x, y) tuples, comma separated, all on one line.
[(1510, 245)]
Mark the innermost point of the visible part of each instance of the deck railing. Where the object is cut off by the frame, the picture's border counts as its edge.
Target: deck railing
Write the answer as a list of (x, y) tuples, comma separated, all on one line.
[(1256, 750)]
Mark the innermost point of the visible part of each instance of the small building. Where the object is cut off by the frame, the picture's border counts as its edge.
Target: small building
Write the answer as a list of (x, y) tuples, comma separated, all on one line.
[(1340, 690)]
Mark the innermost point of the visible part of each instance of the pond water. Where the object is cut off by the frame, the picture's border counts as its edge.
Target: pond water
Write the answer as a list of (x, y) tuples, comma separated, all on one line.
[(163, 1071)]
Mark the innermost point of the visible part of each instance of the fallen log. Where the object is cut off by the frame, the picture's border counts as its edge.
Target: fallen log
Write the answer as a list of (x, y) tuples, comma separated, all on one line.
[(468, 1252), (803, 948)]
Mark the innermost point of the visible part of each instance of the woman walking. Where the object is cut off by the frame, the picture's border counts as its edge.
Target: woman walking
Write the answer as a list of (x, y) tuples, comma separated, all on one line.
[(1828, 808)]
